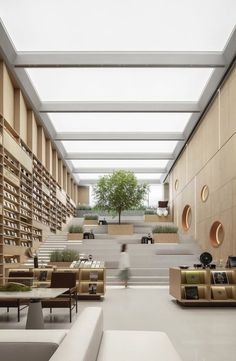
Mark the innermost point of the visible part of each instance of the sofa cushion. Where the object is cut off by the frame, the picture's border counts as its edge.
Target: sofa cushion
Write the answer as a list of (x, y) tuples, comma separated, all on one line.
[(136, 346), (84, 337), (28, 345)]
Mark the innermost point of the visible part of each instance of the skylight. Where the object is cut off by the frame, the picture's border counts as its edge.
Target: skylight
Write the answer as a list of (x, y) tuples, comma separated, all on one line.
[(119, 84), (119, 146), (105, 25), (122, 164), (117, 122)]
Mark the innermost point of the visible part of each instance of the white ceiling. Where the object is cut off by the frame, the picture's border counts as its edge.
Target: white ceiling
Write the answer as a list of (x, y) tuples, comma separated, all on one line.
[(130, 116)]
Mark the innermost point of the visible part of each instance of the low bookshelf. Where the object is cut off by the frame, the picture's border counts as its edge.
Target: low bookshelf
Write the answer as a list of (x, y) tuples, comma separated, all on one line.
[(199, 287)]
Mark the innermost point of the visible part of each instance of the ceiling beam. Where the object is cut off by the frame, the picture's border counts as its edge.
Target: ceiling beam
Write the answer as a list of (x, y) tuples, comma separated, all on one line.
[(128, 59), (118, 107), (118, 156), (120, 136), (92, 170)]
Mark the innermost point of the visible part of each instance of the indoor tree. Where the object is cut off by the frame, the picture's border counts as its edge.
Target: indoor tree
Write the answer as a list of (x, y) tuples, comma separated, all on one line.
[(119, 191)]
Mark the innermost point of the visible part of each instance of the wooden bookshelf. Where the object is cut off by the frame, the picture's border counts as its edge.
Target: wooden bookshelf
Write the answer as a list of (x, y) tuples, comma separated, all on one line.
[(209, 286)]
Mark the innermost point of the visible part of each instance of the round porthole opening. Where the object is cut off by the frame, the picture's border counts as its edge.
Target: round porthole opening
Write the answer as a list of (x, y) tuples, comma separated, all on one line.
[(204, 193), (217, 234), (176, 184), (186, 217)]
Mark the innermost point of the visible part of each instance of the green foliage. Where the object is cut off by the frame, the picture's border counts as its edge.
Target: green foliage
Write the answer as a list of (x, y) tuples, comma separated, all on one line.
[(118, 192), (150, 211), (66, 255), (165, 229), (91, 216), (84, 207), (75, 229), (14, 287)]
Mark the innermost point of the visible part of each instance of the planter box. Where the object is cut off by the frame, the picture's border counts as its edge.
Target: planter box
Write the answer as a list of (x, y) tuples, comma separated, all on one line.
[(74, 236), (155, 218), (166, 237), (90, 222), (120, 229), (60, 264)]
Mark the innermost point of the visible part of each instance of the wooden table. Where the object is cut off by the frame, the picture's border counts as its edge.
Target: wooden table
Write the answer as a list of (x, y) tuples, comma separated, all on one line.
[(35, 312)]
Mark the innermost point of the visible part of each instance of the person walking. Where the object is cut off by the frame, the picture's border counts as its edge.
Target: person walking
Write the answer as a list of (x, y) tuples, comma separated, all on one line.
[(124, 265)]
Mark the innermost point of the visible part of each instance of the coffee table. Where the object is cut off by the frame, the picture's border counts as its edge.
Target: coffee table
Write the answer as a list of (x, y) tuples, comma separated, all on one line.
[(35, 312)]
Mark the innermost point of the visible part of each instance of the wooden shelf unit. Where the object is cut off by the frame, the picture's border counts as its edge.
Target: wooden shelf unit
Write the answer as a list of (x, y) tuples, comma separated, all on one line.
[(88, 281), (180, 278)]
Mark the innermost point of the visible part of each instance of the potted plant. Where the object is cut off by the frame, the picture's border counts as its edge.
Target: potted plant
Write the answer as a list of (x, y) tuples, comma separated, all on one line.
[(90, 219), (63, 258), (117, 192), (150, 215), (75, 232), (165, 234)]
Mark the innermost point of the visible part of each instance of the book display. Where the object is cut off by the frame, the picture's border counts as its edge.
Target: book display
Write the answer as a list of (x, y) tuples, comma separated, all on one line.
[(203, 286), (28, 200), (91, 279), (191, 292)]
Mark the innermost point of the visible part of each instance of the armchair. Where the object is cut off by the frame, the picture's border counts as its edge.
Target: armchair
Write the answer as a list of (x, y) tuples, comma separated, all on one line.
[(25, 278), (69, 298)]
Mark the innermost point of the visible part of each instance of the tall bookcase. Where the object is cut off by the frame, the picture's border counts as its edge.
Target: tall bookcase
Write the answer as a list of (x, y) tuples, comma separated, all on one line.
[(207, 286), (31, 200)]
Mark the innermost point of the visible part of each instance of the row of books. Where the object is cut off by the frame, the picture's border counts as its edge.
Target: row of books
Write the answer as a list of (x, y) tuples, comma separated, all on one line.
[(218, 277), (218, 293)]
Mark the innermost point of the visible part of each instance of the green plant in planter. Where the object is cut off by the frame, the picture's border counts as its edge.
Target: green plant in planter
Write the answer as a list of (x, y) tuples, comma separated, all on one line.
[(66, 255), (14, 287), (150, 211), (165, 229), (76, 229), (84, 207), (91, 217)]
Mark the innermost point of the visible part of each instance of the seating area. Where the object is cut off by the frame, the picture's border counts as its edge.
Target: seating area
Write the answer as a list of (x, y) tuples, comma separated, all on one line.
[(87, 341)]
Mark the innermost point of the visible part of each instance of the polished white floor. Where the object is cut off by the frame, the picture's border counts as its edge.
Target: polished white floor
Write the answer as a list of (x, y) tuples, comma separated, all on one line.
[(199, 334)]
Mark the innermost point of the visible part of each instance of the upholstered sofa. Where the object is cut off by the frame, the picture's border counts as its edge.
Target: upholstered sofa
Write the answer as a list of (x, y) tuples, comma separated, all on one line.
[(86, 341)]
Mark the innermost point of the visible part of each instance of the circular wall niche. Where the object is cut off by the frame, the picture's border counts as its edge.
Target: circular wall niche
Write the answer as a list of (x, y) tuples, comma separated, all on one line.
[(217, 234), (186, 217), (176, 184), (204, 193)]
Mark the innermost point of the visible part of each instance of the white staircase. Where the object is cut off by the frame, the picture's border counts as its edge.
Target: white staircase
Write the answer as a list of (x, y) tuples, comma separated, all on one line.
[(52, 243)]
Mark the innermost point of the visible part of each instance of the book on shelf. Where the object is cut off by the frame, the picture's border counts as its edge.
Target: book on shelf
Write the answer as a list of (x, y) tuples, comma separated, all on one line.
[(191, 292), (219, 293), (220, 277), (193, 277), (93, 276), (92, 288)]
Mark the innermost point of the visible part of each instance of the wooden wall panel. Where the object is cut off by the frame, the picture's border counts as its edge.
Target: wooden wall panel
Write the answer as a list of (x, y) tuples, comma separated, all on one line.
[(32, 132), (55, 164), (64, 179), (180, 174), (60, 172), (83, 195), (7, 95), (211, 161), (20, 115), (41, 146), (49, 155), (227, 108)]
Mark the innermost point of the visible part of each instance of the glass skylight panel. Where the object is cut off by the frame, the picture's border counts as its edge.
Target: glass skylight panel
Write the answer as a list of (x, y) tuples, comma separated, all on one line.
[(119, 84), (119, 122), (119, 146), (121, 164), (96, 176), (141, 25)]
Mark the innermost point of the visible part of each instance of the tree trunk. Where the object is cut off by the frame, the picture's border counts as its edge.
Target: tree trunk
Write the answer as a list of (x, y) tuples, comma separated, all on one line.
[(119, 212)]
